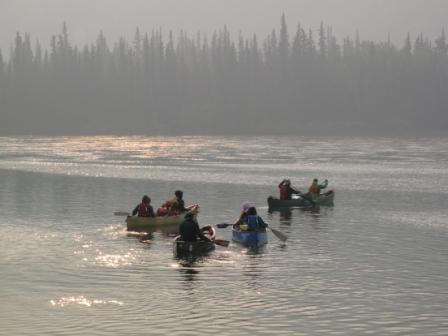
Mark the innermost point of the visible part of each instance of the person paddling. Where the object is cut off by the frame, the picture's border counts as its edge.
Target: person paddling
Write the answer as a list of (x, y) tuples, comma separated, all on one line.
[(315, 188), (253, 222), (286, 191), (190, 231), (243, 214), (178, 203), (144, 209)]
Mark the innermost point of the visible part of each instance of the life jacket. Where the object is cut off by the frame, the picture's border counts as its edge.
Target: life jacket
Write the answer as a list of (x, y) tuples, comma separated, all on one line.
[(252, 222), (143, 210), (314, 189), (162, 211), (284, 192)]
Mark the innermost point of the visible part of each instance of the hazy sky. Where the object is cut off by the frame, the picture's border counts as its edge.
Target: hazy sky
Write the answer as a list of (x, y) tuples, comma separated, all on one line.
[(85, 18)]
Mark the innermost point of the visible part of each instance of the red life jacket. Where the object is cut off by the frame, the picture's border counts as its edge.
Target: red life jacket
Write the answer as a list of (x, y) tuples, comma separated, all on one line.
[(162, 211), (314, 189), (143, 210), (285, 193)]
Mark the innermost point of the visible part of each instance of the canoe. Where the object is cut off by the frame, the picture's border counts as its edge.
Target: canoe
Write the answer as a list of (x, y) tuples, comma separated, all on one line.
[(182, 248), (326, 199), (253, 239), (135, 223)]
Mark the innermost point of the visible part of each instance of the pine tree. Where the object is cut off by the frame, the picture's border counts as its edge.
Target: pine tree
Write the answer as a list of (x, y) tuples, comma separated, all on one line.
[(283, 43), (441, 44), (407, 47), (322, 42)]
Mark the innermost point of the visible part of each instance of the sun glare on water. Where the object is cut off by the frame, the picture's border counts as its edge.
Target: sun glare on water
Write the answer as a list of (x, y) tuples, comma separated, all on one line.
[(82, 301)]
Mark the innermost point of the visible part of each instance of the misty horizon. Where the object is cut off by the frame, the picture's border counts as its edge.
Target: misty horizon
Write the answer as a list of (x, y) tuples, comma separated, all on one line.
[(291, 80), (373, 19)]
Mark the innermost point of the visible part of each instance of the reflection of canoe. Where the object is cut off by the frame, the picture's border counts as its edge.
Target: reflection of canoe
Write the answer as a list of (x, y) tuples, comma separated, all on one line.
[(182, 248), (135, 223), (250, 238), (324, 199)]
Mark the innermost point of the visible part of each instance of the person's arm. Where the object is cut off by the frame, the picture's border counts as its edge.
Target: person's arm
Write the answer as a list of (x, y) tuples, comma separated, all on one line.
[(294, 191), (199, 232), (181, 206), (323, 185), (151, 211), (240, 219), (261, 222), (281, 183), (134, 212)]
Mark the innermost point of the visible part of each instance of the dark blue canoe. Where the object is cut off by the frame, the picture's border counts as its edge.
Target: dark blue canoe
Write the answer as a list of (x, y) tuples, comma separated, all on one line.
[(184, 248)]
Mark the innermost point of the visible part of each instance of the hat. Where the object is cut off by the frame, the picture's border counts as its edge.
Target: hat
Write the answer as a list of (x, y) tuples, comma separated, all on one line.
[(246, 206)]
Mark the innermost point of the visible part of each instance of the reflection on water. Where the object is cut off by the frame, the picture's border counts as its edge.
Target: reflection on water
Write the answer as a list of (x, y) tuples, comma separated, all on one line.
[(82, 301), (285, 214), (375, 263), (188, 268), (189, 274)]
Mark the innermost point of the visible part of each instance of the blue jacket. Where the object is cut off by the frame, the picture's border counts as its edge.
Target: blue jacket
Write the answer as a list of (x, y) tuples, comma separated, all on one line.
[(255, 222)]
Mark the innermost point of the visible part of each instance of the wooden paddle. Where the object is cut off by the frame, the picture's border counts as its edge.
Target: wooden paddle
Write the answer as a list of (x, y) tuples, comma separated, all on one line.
[(221, 242), (121, 213), (276, 233)]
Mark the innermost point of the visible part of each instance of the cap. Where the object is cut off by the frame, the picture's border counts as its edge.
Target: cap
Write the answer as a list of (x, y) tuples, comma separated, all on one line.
[(246, 206)]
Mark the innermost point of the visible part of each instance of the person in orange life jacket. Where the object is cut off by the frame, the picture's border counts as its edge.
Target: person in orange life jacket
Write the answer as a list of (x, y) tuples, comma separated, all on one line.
[(315, 188), (286, 191), (189, 229), (177, 204), (253, 221), (144, 209)]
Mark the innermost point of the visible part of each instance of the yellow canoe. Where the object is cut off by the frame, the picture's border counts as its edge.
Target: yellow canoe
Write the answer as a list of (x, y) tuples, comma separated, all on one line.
[(135, 223)]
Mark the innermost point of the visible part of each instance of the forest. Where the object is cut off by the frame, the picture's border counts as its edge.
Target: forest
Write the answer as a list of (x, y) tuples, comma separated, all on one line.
[(297, 81)]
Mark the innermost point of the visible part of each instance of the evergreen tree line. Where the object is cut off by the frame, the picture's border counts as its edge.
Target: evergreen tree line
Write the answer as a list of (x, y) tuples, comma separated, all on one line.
[(301, 83)]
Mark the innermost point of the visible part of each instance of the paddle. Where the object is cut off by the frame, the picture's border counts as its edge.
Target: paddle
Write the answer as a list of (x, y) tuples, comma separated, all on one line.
[(277, 233), (223, 225), (121, 213), (221, 242)]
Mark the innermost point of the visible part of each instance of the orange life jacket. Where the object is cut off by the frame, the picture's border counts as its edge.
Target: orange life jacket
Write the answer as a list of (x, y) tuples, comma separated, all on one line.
[(314, 189)]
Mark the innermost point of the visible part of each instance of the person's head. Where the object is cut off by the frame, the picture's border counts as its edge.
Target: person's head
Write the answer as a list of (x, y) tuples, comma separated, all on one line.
[(252, 211), (146, 199), (246, 206), (287, 182), (315, 180), (189, 216), (179, 193)]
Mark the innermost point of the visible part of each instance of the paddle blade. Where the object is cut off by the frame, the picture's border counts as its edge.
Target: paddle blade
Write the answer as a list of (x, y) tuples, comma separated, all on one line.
[(121, 213), (278, 234), (223, 225), (221, 242)]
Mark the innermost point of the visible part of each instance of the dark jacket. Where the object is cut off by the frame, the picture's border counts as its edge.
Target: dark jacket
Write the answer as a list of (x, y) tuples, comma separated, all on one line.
[(190, 231)]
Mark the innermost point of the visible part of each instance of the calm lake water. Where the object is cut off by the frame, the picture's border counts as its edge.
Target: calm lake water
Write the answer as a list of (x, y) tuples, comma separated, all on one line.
[(376, 263)]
